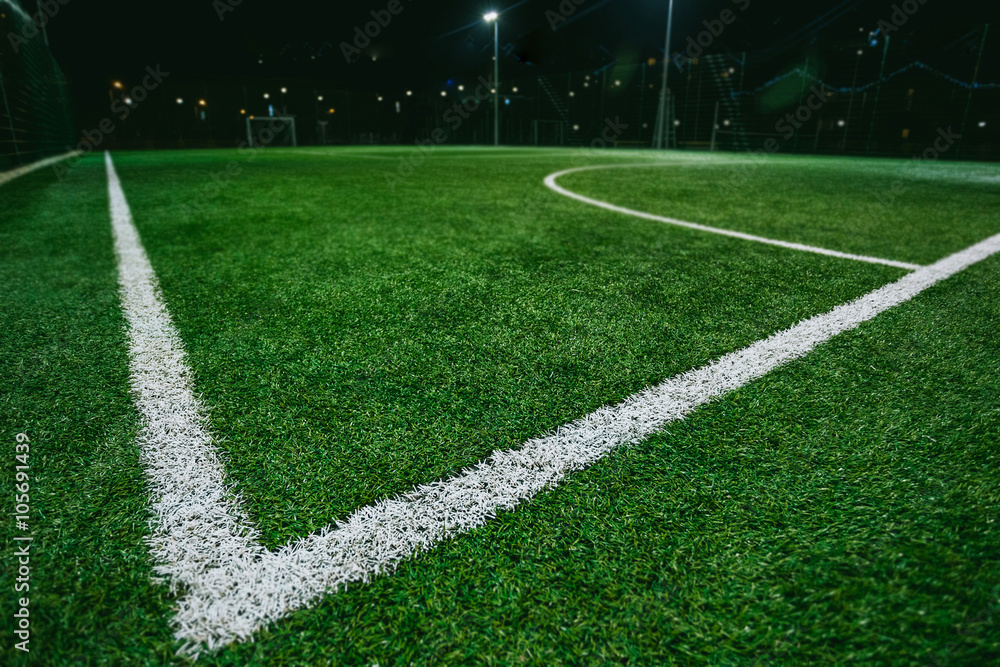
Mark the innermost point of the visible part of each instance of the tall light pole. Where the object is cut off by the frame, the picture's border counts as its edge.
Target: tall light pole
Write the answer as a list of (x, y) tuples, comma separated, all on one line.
[(663, 116), (492, 18)]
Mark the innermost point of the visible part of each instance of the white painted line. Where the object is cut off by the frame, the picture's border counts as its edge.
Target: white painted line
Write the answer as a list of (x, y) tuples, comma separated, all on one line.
[(207, 549), (551, 179), (7, 176)]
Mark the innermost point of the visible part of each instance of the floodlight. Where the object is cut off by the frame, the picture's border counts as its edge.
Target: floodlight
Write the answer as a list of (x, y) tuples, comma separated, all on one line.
[(492, 16)]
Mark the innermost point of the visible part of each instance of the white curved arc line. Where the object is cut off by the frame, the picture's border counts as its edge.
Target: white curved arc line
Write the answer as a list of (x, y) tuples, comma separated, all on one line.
[(551, 179)]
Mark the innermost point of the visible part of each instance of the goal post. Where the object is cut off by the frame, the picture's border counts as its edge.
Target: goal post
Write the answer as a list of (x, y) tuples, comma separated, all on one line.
[(264, 131)]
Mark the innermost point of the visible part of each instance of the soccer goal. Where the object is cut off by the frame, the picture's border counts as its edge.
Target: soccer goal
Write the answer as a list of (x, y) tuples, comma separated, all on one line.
[(263, 131)]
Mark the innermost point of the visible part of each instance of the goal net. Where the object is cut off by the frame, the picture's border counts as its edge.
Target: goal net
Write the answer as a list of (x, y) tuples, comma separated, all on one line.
[(264, 131)]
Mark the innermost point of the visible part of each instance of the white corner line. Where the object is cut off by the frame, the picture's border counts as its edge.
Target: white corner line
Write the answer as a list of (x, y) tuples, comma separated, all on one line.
[(550, 182), (7, 176), (209, 552)]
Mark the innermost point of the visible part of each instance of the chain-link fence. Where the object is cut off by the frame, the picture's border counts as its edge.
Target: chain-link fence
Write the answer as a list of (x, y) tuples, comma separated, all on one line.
[(863, 98), (36, 119)]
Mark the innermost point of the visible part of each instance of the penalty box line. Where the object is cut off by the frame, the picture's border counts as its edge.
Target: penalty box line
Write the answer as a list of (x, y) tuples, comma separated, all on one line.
[(550, 182), (207, 549)]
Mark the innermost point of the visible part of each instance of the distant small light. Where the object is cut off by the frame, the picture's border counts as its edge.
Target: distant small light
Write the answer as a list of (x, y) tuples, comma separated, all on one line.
[(374, 58), (320, 98), (645, 125), (586, 85), (677, 123), (180, 100), (732, 70), (586, 77), (461, 88), (493, 90), (409, 93), (506, 101), (982, 123), (128, 100), (267, 96), (243, 112), (617, 82), (284, 90), (399, 109), (841, 123), (260, 62), (514, 89), (576, 128), (860, 51), (333, 111), (726, 122), (444, 93), (380, 99), (651, 62), (572, 94), (201, 103), (117, 84)]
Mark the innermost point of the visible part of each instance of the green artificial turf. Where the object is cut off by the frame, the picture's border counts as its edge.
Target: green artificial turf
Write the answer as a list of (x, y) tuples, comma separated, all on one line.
[(354, 331)]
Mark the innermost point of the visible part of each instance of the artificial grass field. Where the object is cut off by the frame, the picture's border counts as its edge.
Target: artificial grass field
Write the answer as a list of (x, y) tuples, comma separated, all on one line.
[(352, 338)]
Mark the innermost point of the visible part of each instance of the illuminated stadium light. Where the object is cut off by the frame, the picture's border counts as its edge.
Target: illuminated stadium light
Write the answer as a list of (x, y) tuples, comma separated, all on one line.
[(492, 16)]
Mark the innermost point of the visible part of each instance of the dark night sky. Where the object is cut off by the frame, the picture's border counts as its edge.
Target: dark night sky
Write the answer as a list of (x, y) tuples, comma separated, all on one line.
[(97, 41)]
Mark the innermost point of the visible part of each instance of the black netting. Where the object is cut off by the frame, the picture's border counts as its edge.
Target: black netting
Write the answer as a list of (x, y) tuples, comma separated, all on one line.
[(35, 111)]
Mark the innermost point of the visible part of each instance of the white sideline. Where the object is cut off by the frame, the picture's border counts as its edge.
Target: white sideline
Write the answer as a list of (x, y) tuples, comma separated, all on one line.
[(207, 549), (8, 176), (551, 179)]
